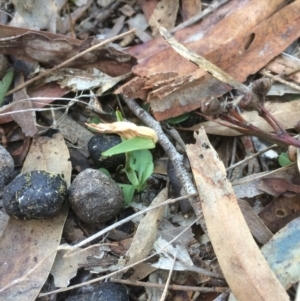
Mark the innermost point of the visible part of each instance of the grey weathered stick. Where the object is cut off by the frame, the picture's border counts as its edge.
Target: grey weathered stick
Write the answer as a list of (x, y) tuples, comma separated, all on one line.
[(175, 157)]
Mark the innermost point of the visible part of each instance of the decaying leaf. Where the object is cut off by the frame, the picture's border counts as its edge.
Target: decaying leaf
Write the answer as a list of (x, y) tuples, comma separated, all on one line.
[(39, 98), (277, 186), (124, 129), (24, 116), (28, 248), (257, 227), (52, 49), (167, 253), (243, 265), (67, 263)]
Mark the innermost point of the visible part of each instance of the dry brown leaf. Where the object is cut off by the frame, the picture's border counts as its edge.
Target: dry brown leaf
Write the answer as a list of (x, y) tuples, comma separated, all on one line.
[(244, 267), (48, 93), (28, 248), (52, 49), (278, 186), (190, 8), (189, 34), (24, 116), (67, 263), (124, 129), (247, 186), (257, 227)]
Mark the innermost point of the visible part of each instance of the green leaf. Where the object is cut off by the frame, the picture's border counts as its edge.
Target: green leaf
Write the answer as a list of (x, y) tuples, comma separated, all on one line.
[(128, 191), (136, 143), (178, 119), (95, 119), (119, 115), (105, 171), (131, 175), (5, 84), (284, 160), (142, 162)]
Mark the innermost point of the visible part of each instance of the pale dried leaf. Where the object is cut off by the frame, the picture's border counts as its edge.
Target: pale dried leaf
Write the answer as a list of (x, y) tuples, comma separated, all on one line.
[(78, 80), (35, 14), (124, 129), (66, 264), (147, 230), (168, 232), (51, 155), (243, 265), (167, 253), (164, 15), (247, 186)]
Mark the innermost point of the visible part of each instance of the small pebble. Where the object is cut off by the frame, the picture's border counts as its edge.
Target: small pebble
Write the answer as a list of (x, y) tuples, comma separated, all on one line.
[(99, 144), (34, 195), (94, 197)]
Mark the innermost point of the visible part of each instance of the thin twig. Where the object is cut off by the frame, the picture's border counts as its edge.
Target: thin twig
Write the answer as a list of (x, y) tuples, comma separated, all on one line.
[(251, 157), (127, 219), (279, 79), (164, 294), (201, 15), (41, 75), (174, 287)]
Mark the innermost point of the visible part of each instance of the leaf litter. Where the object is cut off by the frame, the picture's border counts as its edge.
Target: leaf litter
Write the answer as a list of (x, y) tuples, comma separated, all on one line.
[(233, 51)]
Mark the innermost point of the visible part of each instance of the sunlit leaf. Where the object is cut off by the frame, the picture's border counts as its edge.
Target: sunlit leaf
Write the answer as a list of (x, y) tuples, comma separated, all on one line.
[(136, 143)]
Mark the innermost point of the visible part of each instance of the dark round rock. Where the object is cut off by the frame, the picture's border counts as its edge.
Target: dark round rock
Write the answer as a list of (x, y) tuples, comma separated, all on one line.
[(106, 291), (94, 197), (99, 144), (34, 195)]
